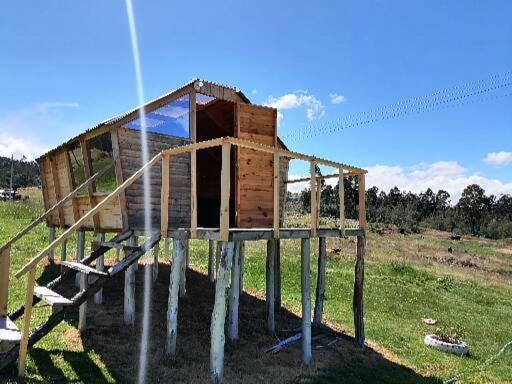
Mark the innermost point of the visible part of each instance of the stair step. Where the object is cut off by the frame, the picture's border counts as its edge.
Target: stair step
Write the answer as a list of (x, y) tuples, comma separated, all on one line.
[(51, 297), (112, 245), (9, 334), (83, 268)]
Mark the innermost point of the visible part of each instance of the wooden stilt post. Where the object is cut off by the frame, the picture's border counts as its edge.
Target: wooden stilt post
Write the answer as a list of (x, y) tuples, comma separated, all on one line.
[(358, 292), (242, 261), (217, 257), (224, 191), (5, 262), (156, 253), (82, 311), (129, 290), (135, 242), (270, 285), (174, 288), (306, 299), (184, 265), (63, 253), (219, 314), (100, 266), (234, 296), (211, 261), (277, 276), (80, 252), (29, 298), (320, 282), (51, 254)]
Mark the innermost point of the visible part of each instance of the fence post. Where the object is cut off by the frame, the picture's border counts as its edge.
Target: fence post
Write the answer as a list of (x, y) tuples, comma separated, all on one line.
[(5, 262)]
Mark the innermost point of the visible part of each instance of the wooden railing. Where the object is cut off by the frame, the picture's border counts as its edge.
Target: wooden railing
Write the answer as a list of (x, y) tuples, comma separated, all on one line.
[(166, 157)]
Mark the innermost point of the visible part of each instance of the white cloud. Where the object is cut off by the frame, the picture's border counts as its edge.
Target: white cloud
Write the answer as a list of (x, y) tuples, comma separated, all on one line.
[(299, 99), (447, 175), (498, 158), (21, 147), (337, 99)]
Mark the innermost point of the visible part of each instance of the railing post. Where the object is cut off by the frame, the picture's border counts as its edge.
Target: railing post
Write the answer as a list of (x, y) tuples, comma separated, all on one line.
[(225, 191), (314, 221), (362, 201), (193, 194), (276, 196), (341, 194), (29, 298), (5, 262), (164, 203)]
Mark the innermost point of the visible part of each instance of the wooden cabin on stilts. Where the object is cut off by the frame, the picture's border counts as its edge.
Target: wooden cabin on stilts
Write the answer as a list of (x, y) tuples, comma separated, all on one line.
[(219, 173)]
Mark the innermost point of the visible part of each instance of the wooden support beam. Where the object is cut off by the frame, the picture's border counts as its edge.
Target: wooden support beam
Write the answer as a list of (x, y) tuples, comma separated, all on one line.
[(154, 269), (80, 252), (219, 313), (242, 262), (314, 207), (184, 265), (129, 289), (5, 263), (174, 287), (72, 186), (29, 297), (51, 235), (118, 168), (362, 202), (164, 197), (82, 311), (63, 253), (193, 194), (306, 299), (234, 296), (57, 189), (211, 261), (358, 292), (270, 285), (277, 277), (320, 282), (100, 266), (225, 176), (276, 196), (341, 194), (91, 187), (318, 201)]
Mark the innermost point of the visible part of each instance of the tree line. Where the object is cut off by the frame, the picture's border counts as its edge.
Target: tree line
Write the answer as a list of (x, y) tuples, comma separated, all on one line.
[(475, 213), (26, 173)]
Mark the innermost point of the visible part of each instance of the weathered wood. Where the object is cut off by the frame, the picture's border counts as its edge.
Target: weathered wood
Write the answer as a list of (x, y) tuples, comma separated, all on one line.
[(164, 215), (270, 285), (242, 262), (118, 168), (174, 288), (82, 268), (276, 196), (129, 290), (5, 263), (154, 270), (225, 191), (100, 266), (29, 294), (82, 311), (80, 252), (277, 277), (52, 232), (90, 188), (313, 203), (358, 292), (362, 202), (234, 295), (53, 298), (211, 261), (341, 194), (184, 265), (219, 313), (63, 253), (57, 189), (306, 299), (193, 194), (320, 282)]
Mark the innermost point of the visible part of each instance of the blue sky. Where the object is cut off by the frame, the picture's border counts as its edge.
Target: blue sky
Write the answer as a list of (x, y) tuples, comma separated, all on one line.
[(67, 65)]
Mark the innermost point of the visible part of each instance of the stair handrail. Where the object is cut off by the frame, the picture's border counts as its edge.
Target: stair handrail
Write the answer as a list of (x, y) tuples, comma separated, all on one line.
[(58, 205)]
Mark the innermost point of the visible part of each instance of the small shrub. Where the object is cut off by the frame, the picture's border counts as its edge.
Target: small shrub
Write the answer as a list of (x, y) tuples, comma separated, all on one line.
[(454, 334)]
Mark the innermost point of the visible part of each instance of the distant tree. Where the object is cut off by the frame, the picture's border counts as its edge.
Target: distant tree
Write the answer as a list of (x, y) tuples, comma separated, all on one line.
[(472, 205)]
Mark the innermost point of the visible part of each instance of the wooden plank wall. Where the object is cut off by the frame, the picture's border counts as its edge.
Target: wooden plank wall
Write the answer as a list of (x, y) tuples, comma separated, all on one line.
[(255, 169), (130, 153)]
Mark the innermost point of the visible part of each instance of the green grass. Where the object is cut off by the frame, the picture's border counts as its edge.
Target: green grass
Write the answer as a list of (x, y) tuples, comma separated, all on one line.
[(400, 289)]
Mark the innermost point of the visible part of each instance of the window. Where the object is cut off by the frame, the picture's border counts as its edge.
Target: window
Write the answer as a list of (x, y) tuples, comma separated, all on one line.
[(170, 119), (77, 166), (100, 154)]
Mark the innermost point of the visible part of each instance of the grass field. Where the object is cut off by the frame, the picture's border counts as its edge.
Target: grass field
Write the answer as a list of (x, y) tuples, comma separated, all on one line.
[(408, 278)]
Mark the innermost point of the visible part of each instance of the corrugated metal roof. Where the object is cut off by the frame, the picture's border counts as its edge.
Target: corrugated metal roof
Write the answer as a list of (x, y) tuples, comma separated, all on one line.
[(116, 118)]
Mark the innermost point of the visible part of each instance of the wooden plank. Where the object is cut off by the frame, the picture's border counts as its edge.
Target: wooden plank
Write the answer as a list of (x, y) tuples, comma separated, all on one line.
[(71, 181), (362, 202), (56, 185), (341, 194), (314, 214), (270, 285), (90, 188), (82, 310), (234, 296), (320, 282), (51, 297), (358, 292), (172, 306), (29, 296), (306, 299), (192, 107), (51, 235), (5, 263), (193, 194), (129, 289), (276, 207), (225, 191), (164, 195), (118, 168), (100, 266)]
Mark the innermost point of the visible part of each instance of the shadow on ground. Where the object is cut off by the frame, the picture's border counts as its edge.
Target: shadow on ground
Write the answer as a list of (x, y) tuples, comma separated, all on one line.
[(116, 345)]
